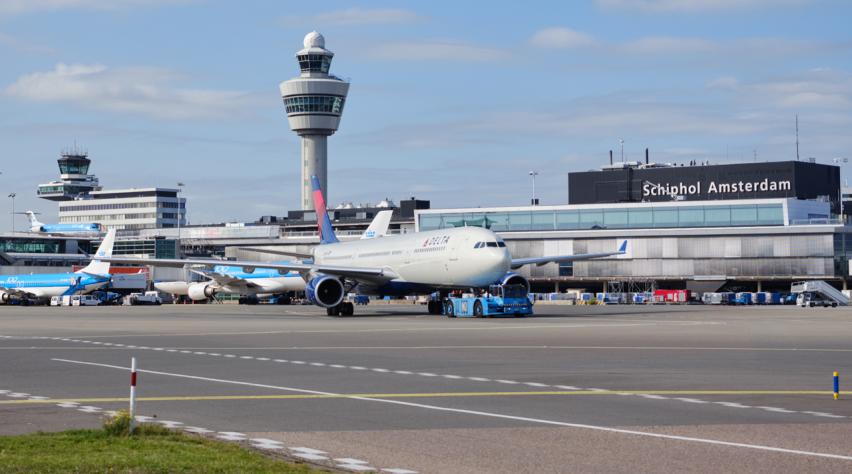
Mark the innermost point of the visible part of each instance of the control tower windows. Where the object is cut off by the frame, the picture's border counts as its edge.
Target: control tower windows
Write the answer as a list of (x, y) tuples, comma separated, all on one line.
[(72, 166), (314, 63), (329, 104)]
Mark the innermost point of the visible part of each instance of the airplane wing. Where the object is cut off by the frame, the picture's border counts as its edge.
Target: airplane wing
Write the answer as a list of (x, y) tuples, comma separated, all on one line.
[(286, 253), (373, 273), (539, 261), (225, 280)]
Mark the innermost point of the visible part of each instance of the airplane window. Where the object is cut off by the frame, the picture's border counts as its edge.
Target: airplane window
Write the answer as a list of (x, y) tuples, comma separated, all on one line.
[(492, 244), (476, 245)]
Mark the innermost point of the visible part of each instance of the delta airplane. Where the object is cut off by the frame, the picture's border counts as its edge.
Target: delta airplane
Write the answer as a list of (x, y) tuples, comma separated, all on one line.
[(40, 227), (262, 281), (95, 275), (397, 265)]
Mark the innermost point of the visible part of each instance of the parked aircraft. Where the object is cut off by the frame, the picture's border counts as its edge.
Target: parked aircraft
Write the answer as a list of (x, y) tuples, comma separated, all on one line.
[(231, 279), (41, 227), (95, 275), (408, 264)]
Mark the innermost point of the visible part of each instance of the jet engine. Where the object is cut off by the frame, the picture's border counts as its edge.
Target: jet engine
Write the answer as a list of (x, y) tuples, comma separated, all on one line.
[(511, 278), (4, 297), (325, 291), (201, 291)]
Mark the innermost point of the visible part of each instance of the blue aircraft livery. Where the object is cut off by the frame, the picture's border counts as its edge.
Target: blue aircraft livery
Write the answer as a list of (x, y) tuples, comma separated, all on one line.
[(36, 226), (94, 276)]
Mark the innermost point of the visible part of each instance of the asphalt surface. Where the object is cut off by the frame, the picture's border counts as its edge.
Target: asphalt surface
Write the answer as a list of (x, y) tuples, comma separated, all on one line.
[(592, 389)]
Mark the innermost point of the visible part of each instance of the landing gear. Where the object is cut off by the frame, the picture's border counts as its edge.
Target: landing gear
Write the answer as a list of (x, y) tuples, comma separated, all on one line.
[(434, 307), (342, 309)]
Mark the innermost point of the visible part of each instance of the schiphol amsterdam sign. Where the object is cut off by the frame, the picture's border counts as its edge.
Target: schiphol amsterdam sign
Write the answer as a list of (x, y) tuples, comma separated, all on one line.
[(713, 187)]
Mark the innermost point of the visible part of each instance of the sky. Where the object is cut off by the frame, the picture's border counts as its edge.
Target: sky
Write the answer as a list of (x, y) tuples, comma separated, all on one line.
[(454, 102)]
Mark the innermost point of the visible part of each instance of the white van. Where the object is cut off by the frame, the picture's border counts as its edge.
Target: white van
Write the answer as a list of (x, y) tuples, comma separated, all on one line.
[(84, 300)]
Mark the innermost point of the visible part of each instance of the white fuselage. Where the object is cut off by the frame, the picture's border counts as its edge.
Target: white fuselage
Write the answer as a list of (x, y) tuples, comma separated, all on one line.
[(441, 258)]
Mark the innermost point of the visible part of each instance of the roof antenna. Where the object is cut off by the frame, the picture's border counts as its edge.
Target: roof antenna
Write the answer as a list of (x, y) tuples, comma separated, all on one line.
[(797, 137)]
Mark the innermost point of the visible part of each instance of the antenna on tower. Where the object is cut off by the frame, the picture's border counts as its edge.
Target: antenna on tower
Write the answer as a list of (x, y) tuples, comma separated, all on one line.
[(797, 137)]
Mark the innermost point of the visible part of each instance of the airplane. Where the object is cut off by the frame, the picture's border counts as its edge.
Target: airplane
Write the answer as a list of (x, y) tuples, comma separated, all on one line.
[(40, 227), (92, 277), (231, 279), (397, 265)]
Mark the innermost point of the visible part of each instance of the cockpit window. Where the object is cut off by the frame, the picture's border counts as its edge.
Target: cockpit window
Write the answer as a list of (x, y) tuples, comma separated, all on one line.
[(477, 245), (501, 244), (491, 244)]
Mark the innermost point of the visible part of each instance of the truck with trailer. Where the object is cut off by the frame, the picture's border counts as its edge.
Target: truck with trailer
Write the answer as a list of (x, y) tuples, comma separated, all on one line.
[(500, 300)]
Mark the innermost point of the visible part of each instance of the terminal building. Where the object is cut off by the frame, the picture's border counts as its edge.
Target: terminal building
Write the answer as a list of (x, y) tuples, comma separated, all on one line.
[(681, 235)]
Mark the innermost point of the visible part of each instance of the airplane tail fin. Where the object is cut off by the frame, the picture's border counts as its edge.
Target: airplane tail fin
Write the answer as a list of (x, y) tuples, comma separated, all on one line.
[(97, 267), (35, 225), (379, 226), (323, 222)]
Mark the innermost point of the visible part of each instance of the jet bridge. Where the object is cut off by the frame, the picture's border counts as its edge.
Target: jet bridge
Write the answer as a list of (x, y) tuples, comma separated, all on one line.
[(821, 288)]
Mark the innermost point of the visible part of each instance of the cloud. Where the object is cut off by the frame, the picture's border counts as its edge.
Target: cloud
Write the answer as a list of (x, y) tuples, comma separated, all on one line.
[(690, 6), (669, 45), (561, 37), (139, 90), (357, 16), (439, 50), (11, 7), (819, 89)]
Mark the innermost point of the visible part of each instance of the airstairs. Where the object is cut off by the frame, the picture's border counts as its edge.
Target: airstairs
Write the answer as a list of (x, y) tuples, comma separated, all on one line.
[(822, 288)]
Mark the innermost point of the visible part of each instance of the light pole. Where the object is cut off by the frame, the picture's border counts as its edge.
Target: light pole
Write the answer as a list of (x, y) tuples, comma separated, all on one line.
[(12, 196), (534, 200), (621, 143), (177, 194), (840, 162)]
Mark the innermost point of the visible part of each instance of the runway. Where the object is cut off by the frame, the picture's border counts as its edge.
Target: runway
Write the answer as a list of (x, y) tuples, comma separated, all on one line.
[(593, 389)]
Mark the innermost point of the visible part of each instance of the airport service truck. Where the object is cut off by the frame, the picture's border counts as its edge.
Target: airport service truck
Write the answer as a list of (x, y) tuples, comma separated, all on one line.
[(500, 300)]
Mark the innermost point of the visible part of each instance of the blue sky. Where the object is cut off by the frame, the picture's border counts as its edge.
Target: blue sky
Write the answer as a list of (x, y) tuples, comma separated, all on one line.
[(450, 101)]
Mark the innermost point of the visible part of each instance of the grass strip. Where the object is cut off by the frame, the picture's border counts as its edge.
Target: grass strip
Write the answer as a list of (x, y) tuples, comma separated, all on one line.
[(151, 449)]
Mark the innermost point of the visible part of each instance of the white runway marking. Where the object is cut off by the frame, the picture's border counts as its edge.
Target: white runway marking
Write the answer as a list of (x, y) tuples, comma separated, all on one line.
[(606, 429), (483, 379)]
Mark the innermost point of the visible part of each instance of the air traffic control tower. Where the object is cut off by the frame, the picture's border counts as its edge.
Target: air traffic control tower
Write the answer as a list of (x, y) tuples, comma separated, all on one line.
[(314, 103)]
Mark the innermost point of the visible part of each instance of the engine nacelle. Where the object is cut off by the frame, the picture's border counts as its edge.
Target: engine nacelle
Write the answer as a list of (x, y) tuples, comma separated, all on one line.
[(201, 291), (4, 297), (511, 278), (325, 291)]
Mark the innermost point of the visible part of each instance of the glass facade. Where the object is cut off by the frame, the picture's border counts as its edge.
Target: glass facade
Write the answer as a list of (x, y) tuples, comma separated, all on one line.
[(739, 215), (19, 245), (314, 62), (329, 104)]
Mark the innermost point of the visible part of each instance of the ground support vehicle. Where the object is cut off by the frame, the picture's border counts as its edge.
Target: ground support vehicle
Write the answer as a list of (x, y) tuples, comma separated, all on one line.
[(500, 300), (811, 300), (147, 298)]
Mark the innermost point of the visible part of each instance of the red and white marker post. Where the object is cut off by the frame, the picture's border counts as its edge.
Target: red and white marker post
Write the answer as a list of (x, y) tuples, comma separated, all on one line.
[(132, 394)]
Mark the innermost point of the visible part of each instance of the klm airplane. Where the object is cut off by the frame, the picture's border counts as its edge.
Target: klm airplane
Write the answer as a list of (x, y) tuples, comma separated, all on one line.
[(41, 227), (230, 279), (39, 286)]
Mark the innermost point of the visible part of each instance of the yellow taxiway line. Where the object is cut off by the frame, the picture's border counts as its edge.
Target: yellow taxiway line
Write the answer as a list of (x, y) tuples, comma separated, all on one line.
[(421, 395)]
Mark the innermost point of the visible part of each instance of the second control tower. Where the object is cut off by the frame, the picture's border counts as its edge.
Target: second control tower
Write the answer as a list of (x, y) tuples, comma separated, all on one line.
[(314, 103)]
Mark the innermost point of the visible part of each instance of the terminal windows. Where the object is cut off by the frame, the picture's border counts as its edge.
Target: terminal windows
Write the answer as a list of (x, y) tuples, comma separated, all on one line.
[(611, 218), (330, 104)]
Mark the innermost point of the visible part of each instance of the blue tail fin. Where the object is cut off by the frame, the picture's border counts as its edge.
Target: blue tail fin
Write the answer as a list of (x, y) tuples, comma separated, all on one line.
[(323, 222)]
